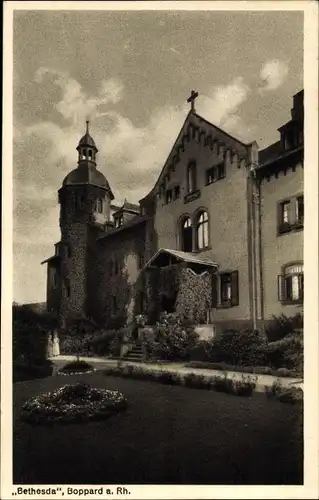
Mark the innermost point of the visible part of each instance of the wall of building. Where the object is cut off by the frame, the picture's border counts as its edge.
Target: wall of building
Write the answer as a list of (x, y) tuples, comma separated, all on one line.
[(124, 248), (226, 202), (278, 250)]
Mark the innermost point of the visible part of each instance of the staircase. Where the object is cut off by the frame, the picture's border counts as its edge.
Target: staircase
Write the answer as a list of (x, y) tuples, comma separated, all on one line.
[(135, 355)]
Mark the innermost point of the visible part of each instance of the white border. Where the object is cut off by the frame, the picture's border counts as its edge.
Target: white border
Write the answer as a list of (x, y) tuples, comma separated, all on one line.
[(310, 488)]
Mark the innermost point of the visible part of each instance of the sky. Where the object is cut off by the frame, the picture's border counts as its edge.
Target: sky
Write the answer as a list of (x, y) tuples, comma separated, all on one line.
[(130, 73)]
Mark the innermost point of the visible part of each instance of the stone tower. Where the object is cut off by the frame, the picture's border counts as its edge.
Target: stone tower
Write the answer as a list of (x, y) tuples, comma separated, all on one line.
[(85, 204)]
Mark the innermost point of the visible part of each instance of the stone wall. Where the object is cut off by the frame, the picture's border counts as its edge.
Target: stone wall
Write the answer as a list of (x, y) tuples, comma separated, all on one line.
[(115, 278)]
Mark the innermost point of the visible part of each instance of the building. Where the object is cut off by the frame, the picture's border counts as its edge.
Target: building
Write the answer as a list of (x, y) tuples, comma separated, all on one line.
[(219, 237)]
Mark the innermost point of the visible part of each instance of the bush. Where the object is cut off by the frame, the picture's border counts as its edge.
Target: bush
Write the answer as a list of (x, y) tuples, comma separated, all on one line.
[(281, 326), (244, 347), (197, 381), (24, 371), (223, 385), (286, 353), (77, 366), (259, 370), (173, 339)]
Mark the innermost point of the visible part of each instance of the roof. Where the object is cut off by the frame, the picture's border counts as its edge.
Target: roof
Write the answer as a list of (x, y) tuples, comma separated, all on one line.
[(50, 259), (276, 158), (131, 223), (182, 256), (210, 130), (87, 140), (269, 153), (87, 174), (128, 207)]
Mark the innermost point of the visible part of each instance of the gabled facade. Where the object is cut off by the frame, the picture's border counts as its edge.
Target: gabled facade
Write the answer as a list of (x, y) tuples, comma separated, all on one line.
[(211, 236)]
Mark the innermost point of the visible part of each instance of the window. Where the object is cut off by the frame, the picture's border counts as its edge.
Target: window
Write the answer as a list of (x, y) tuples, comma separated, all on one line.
[(191, 177), (84, 154), (291, 214), (289, 140), (90, 154), (119, 221), (177, 192), (98, 207), (141, 302), (290, 284), (221, 171), (114, 304), (169, 196), (202, 231), (211, 175), (228, 289), (187, 235), (299, 209)]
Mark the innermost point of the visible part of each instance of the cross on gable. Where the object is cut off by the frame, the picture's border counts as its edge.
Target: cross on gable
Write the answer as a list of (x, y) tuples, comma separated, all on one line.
[(192, 98)]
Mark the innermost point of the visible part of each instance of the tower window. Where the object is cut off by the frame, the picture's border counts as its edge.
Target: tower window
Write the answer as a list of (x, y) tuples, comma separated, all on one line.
[(90, 154), (98, 206), (84, 154), (177, 192)]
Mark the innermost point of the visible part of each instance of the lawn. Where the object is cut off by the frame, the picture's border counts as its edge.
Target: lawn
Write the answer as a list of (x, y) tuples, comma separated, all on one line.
[(167, 435)]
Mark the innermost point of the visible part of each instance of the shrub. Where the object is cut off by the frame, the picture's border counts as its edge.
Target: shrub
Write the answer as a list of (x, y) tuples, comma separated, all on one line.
[(244, 387), (24, 371), (286, 353), (223, 385), (274, 390), (168, 378), (260, 370), (244, 347), (281, 326), (77, 366), (173, 339), (291, 396), (197, 381)]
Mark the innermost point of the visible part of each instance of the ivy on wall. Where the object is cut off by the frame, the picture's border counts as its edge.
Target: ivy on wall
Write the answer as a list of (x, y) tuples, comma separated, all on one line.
[(194, 295)]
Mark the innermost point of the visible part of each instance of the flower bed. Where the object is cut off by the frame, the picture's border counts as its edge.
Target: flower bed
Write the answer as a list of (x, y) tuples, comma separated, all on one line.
[(244, 387), (73, 403), (258, 370), (76, 368)]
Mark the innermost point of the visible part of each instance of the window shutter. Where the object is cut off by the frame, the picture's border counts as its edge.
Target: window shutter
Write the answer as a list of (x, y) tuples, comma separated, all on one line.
[(281, 288), (214, 290), (234, 289)]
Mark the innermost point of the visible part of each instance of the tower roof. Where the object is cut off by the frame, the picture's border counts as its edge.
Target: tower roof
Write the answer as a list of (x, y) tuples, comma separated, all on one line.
[(86, 176), (87, 140)]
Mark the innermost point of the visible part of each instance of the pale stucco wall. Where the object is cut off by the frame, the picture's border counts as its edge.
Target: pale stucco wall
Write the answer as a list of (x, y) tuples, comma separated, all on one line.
[(278, 251)]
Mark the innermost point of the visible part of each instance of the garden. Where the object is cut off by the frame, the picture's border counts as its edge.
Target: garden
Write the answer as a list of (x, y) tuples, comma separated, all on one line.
[(118, 426), (161, 433)]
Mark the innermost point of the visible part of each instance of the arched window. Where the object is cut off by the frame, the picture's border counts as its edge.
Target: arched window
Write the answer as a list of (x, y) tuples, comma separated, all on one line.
[(90, 154), (186, 235), (191, 177), (291, 283), (202, 231), (84, 154)]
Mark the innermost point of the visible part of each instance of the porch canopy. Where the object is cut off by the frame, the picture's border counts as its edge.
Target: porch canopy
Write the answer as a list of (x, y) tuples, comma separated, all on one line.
[(165, 257)]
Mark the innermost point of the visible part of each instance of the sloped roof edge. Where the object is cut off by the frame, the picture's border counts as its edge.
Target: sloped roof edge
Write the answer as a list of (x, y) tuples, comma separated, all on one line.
[(183, 256)]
